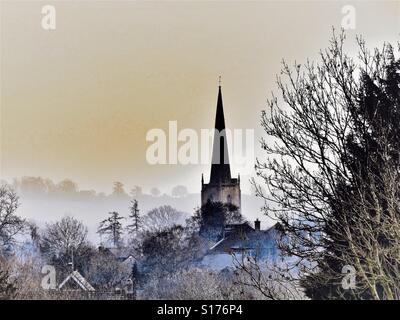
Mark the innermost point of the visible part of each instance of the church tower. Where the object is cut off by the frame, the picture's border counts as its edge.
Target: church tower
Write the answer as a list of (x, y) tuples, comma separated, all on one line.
[(221, 187)]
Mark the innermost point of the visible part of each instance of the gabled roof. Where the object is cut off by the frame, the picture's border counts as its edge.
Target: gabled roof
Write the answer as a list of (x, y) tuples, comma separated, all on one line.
[(129, 261), (79, 279)]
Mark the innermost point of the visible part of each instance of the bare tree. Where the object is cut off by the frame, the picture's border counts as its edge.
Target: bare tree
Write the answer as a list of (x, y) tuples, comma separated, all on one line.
[(60, 237), (273, 280), (7, 286), (163, 250), (198, 284), (10, 223), (372, 232), (106, 272), (155, 192), (161, 218), (331, 138), (179, 191), (64, 244), (195, 284), (27, 276), (67, 186)]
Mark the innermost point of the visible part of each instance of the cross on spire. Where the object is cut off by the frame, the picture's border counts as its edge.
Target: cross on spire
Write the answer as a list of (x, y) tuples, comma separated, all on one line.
[(219, 81)]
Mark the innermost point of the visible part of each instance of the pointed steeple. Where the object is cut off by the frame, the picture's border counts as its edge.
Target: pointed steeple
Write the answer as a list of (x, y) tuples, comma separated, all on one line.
[(219, 117), (220, 168)]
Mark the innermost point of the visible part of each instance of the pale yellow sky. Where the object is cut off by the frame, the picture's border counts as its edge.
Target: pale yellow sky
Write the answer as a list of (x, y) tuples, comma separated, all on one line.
[(77, 102)]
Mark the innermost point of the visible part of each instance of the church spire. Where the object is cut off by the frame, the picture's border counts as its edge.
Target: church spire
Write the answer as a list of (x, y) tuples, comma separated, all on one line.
[(220, 168), (219, 117)]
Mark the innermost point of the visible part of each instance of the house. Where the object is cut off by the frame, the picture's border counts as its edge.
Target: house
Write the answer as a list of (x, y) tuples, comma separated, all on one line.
[(241, 240), (129, 271), (121, 255)]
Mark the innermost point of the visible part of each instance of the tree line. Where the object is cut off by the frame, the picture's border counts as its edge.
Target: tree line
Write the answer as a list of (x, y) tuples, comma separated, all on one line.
[(164, 245), (29, 185)]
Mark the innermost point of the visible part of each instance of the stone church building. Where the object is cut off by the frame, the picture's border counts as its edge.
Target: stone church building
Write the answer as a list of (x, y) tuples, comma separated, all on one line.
[(235, 238), (221, 187)]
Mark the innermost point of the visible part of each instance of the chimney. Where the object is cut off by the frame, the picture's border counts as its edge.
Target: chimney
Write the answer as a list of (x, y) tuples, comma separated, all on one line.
[(257, 225)]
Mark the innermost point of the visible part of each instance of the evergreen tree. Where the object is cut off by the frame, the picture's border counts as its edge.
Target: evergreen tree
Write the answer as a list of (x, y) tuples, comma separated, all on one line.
[(134, 216), (213, 216), (112, 227)]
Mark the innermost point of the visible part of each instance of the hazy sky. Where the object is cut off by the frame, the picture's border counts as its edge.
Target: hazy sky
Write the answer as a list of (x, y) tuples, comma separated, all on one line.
[(77, 102)]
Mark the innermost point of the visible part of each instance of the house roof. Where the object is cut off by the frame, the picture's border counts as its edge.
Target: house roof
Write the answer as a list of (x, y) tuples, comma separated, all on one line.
[(238, 227), (79, 279), (242, 237)]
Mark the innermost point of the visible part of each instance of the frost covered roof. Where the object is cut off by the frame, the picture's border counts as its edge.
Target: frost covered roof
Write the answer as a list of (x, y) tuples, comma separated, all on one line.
[(79, 279), (244, 237)]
